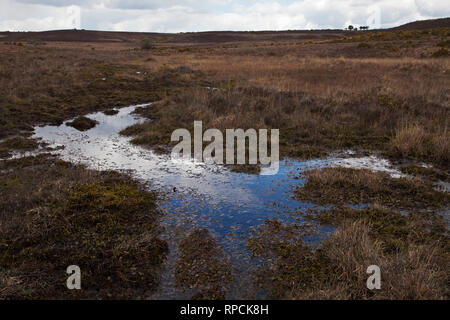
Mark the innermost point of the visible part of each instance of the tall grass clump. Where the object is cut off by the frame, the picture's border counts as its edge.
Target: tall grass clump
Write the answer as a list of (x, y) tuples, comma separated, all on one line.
[(414, 141)]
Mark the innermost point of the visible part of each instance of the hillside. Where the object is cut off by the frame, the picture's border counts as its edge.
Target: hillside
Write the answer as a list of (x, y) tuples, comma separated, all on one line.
[(190, 37), (424, 24), (197, 37)]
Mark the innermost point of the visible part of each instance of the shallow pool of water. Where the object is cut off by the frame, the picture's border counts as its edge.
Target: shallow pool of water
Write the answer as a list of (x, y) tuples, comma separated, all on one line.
[(228, 204)]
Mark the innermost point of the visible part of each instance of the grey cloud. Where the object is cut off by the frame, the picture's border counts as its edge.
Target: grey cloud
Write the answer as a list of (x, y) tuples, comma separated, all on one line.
[(57, 3), (193, 15), (122, 4)]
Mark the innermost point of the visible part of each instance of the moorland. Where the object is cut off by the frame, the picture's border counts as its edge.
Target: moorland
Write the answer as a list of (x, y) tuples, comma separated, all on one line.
[(383, 92)]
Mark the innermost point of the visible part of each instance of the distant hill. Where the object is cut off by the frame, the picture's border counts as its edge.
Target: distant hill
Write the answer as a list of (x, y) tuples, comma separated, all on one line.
[(187, 37), (77, 35), (198, 37), (424, 24)]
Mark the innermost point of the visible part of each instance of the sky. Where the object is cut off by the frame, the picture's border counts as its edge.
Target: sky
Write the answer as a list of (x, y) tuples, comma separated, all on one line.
[(217, 15)]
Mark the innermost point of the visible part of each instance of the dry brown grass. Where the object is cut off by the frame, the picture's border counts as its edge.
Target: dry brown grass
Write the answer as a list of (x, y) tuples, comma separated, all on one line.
[(416, 142), (411, 251), (331, 76), (321, 102), (352, 186), (416, 273), (322, 95)]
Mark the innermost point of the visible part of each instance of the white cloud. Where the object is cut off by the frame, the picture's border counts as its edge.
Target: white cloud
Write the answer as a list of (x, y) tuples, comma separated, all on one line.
[(193, 15), (16, 16), (433, 8)]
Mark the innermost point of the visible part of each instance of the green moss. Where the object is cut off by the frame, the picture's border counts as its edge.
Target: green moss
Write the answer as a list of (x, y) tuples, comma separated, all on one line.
[(65, 215), (302, 151)]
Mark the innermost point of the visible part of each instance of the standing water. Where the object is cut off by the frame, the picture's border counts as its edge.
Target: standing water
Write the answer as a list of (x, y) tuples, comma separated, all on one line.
[(226, 203)]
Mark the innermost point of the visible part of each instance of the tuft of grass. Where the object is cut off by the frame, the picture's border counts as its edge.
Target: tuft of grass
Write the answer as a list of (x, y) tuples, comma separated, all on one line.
[(353, 186), (396, 231), (432, 173), (82, 123), (293, 269), (414, 141), (16, 143), (364, 45), (202, 266), (111, 112)]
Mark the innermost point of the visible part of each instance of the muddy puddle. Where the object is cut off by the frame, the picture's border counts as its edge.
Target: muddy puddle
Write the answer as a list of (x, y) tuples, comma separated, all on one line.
[(228, 204)]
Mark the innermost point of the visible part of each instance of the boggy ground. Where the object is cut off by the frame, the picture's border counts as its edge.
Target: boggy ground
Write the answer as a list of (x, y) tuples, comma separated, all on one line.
[(411, 248), (202, 267), (385, 92), (322, 96), (351, 186), (412, 254), (54, 214)]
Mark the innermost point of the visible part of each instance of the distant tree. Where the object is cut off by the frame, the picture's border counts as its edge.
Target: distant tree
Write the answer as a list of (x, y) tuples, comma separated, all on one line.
[(364, 28), (350, 27)]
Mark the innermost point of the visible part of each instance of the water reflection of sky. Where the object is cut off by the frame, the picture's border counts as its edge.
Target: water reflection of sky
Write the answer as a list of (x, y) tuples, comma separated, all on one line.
[(208, 196), (223, 201), (228, 204)]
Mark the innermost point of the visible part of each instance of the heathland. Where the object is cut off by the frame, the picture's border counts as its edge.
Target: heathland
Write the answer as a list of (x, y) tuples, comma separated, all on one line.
[(383, 92)]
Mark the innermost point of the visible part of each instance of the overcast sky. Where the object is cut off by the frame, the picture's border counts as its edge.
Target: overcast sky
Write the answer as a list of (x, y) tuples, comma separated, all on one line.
[(192, 15)]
